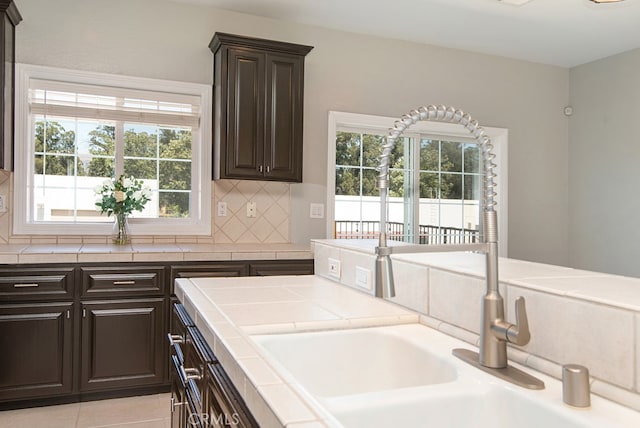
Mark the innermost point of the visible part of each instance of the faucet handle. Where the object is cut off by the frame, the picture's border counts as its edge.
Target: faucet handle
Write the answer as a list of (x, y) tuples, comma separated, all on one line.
[(519, 333)]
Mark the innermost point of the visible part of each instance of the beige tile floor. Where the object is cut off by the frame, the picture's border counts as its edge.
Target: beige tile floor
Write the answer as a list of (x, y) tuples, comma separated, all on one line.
[(149, 411)]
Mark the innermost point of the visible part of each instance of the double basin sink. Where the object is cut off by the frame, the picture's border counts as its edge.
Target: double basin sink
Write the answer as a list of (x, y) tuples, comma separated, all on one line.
[(405, 375)]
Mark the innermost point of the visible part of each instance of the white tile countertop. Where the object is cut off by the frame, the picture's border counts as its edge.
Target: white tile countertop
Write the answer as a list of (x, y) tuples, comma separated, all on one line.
[(87, 253), (228, 310)]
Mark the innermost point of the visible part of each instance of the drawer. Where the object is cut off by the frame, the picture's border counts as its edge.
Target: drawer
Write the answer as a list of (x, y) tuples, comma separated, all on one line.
[(119, 281), (36, 283), (223, 402), (197, 355), (180, 320)]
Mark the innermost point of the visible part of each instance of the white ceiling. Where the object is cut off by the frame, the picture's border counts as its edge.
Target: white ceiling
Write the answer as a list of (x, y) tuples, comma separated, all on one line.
[(559, 32)]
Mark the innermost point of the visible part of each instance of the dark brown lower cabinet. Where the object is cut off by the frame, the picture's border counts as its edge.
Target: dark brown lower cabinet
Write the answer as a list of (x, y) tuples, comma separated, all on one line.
[(36, 350), (202, 395), (122, 343), (71, 332)]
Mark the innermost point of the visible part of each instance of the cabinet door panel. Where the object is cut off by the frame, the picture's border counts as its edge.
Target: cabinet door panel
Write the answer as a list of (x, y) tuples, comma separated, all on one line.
[(283, 143), (245, 135), (122, 344), (36, 342)]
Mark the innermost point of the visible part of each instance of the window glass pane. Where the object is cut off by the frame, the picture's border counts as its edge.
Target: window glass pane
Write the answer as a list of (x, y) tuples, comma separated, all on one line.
[(347, 148), (396, 183), (369, 187), (371, 149), (451, 186), (144, 169), (471, 158), (174, 175), (429, 155), (450, 156), (174, 204), (59, 165), (472, 187), (347, 181), (95, 166), (429, 185), (175, 143), (140, 141), (56, 136), (102, 139)]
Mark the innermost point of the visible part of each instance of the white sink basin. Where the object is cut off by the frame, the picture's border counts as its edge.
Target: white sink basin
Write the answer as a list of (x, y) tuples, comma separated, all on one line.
[(342, 362), (472, 407), (406, 376)]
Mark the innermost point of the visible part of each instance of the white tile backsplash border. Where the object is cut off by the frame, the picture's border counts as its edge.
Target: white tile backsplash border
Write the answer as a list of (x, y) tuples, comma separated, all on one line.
[(568, 324)]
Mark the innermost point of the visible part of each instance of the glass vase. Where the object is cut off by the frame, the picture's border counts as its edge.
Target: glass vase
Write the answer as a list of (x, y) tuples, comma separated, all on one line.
[(121, 230)]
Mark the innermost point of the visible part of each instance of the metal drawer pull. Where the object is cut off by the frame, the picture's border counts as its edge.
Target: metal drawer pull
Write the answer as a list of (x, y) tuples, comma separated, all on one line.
[(124, 282), (33, 284), (268, 168), (175, 338), (175, 404), (191, 373), (260, 168)]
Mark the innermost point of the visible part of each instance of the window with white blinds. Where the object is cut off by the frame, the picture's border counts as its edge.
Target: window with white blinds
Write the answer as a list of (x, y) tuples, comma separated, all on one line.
[(81, 128)]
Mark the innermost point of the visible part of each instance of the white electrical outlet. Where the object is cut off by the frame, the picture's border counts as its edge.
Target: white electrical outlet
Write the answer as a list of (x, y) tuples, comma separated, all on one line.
[(251, 209), (334, 268), (222, 209), (363, 277)]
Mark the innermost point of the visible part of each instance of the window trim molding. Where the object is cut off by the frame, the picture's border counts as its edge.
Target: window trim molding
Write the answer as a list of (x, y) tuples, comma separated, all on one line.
[(199, 224), (499, 138)]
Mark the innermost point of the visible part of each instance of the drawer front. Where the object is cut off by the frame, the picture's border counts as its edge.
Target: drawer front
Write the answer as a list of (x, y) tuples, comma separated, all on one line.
[(118, 281), (224, 406), (36, 283), (197, 355)]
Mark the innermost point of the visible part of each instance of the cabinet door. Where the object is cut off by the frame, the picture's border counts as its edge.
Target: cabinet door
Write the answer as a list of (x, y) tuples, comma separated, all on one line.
[(36, 342), (283, 140), (244, 154), (123, 344)]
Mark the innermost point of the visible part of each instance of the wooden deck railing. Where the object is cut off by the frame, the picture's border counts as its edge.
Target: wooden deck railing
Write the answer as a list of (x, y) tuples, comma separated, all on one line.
[(428, 234)]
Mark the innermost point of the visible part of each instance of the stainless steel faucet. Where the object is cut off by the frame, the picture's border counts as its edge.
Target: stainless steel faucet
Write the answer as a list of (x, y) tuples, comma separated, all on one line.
[(495, 331)]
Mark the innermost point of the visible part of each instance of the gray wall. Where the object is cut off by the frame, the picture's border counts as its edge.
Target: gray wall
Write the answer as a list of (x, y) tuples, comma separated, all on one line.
[(346, 72), (604, 165)]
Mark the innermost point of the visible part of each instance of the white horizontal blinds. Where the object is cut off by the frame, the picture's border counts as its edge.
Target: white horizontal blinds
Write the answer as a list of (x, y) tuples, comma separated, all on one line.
[(53, 98)]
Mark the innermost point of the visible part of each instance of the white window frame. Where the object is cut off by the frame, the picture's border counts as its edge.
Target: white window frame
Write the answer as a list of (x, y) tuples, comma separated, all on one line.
[(200, 221), (499, 138)]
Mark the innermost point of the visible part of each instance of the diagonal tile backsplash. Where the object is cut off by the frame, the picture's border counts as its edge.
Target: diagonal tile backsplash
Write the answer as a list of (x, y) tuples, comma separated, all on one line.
[(270, 226), (273, 208)]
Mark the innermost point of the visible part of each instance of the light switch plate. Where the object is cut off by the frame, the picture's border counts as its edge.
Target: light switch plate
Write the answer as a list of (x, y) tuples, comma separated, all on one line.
[(334, 268)]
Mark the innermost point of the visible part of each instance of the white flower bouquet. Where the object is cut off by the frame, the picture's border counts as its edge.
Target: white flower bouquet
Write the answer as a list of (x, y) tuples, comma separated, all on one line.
[(121, 197)]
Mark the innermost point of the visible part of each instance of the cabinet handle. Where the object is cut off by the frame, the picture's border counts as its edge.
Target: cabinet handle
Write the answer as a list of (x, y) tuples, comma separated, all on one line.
[(191, 373), (84, 313), (175, 338), (260, 168), (33, 284), (268, 169), (124, 282), (68, 314), (175, 404)]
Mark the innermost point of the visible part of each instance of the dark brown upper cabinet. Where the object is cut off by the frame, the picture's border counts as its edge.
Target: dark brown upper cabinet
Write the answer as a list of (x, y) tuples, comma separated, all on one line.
[(10, 17), (258, 103)]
